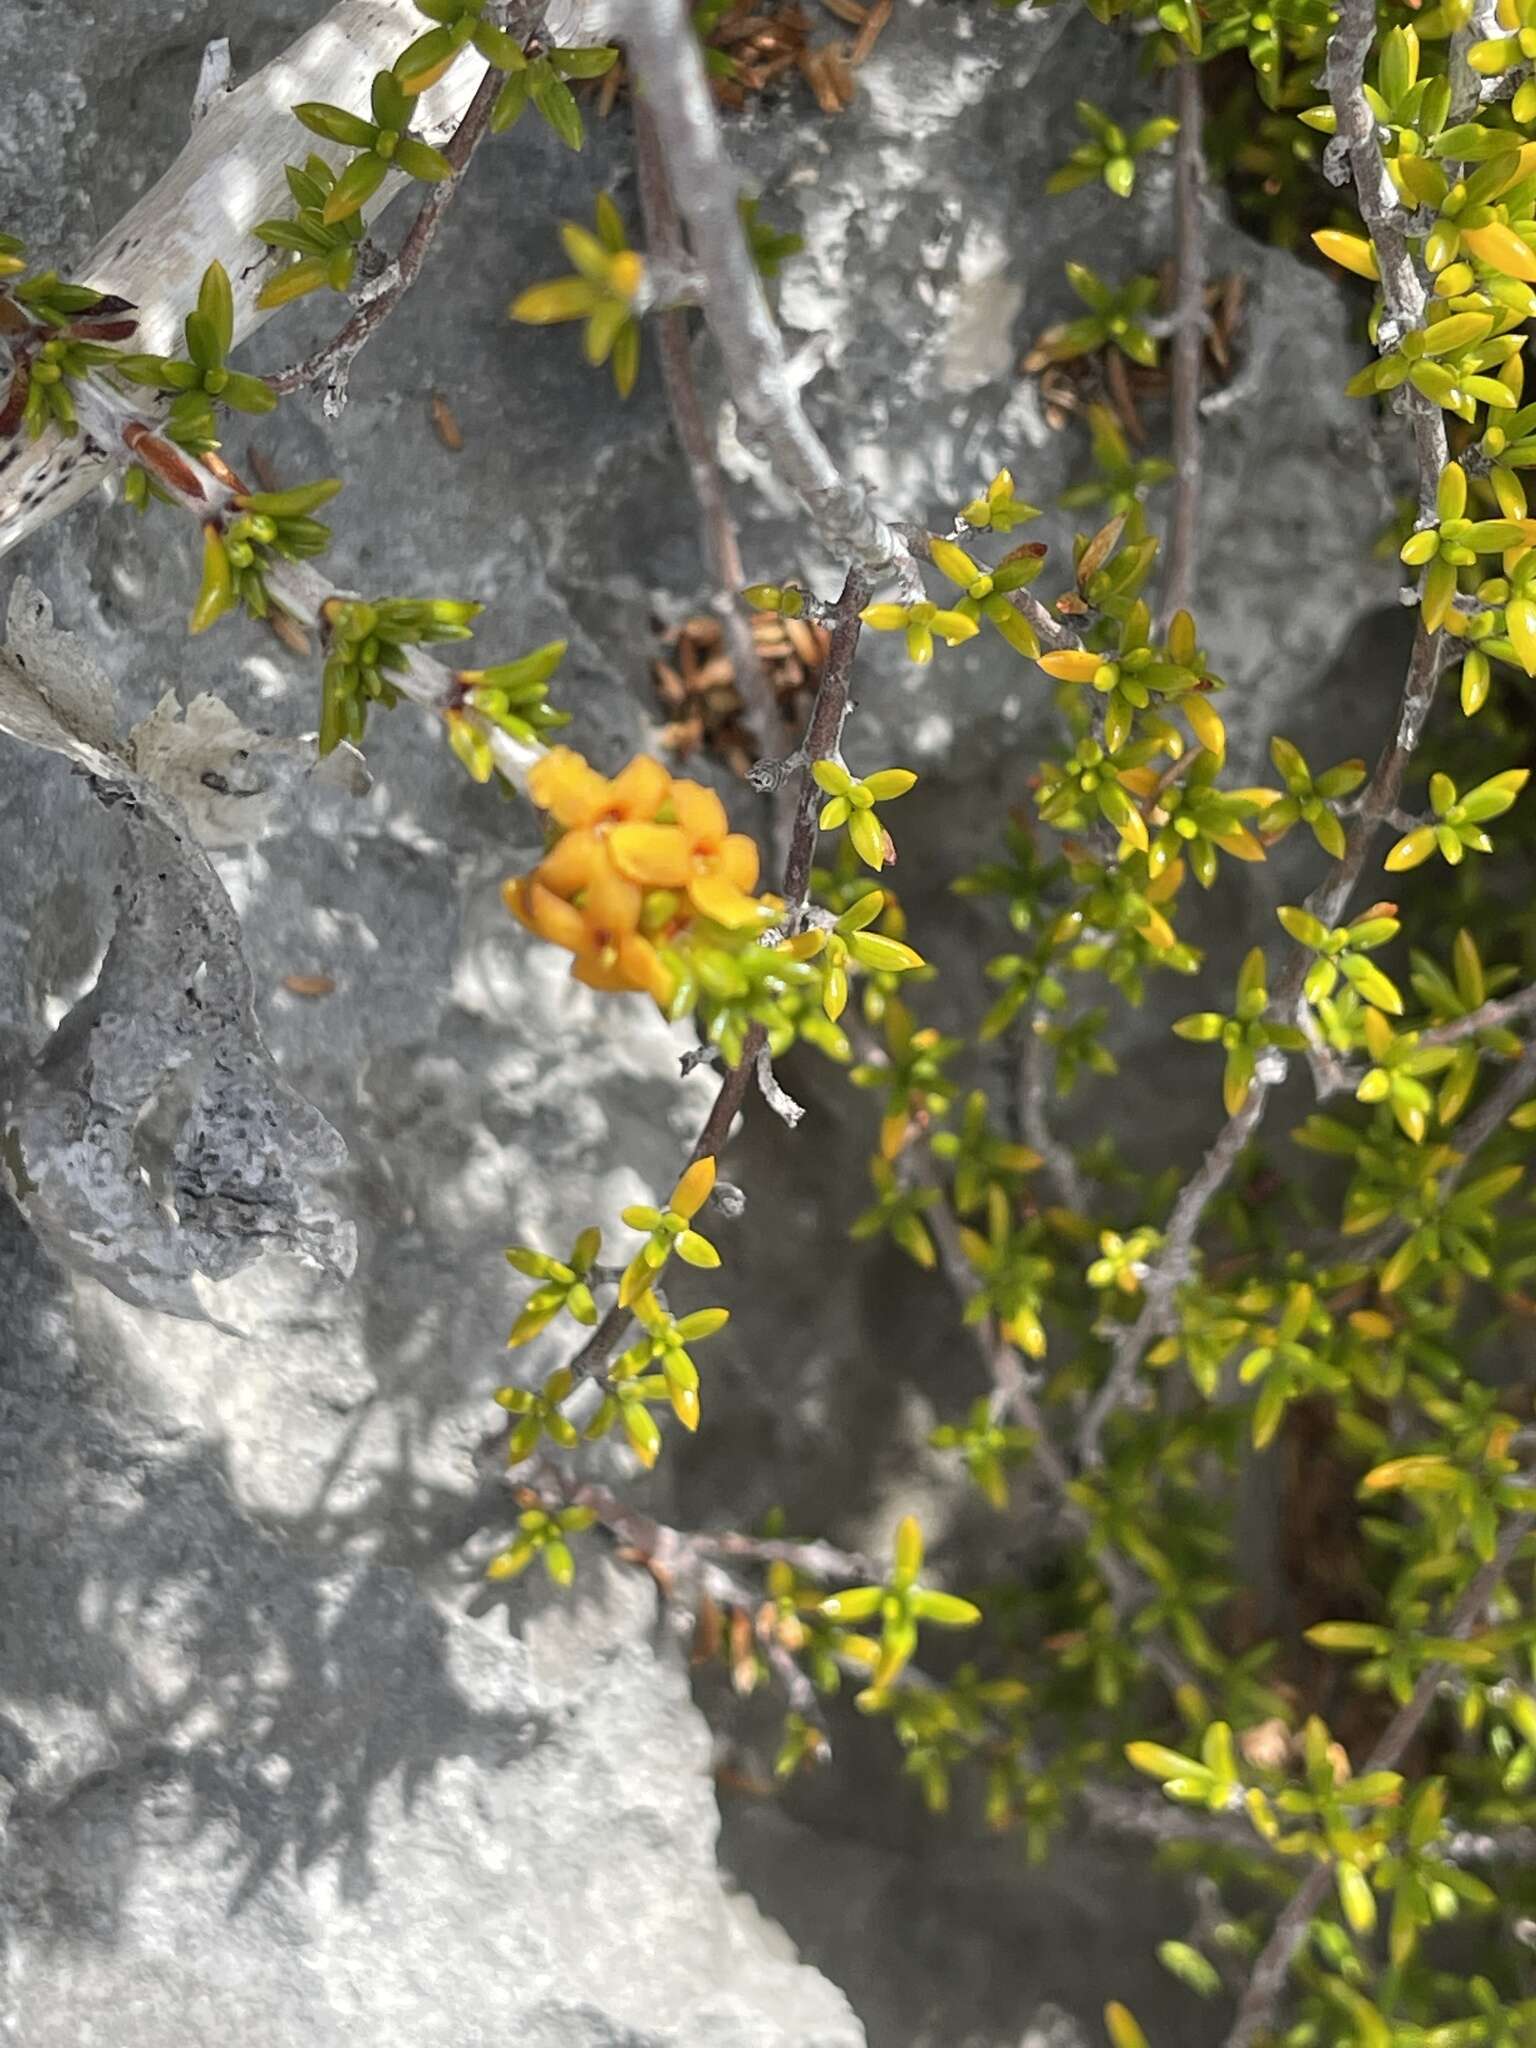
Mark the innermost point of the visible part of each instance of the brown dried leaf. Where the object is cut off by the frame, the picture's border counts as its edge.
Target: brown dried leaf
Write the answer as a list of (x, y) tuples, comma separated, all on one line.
[(221, 469), (683, 736), (283, 626), (1123, 398), (814, 70), (448, 429), (708, 1633), (670, 687), (840, 72), (1100, 548), (1266, 1745), (869, 34), (729, 1779), (743, 1653), (313, 985), (260, 468), (810, 642)]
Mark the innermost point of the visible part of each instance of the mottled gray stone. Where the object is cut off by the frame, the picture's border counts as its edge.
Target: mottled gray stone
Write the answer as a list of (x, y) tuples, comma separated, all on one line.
[(153, 1137), (266, 1787), (276, 1772)]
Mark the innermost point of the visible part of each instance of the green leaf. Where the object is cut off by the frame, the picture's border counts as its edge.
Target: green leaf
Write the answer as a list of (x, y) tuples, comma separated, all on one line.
[(1190, 1967), (1357, 1898), (868, 837), (293, 503), (510, 103), (423, 62), (216, 304), (563, 298), (882, 955), (1303, 927), (858, 1604), (1158, 1762), (202, 343), (588, 61), (944, 1610), (357, 184), (335, 124), (1350, 1635), (695, 1250), (248, 394), (556, 102), (1120, 2025), (419, 160)]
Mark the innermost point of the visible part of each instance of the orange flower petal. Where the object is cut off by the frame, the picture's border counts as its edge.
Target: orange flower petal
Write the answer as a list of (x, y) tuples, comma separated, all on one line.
[(712, 896), (644, 969), (738, 861), (568, 787), (654, 854), (599, 970), (571, 862), (700, 813), (640, 789), (555, 919), (514, 893), (610, 903)]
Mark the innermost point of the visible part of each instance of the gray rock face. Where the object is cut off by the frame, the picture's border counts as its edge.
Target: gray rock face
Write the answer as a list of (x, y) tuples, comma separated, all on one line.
[(276, 1771), (264, 1788)]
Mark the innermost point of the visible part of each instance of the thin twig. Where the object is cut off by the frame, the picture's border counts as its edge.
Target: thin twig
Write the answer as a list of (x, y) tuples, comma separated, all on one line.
[(1492, 1116), (687, 1566), (657, 1541), (1327, 902), (668, 64), (1267, 1981), (1034, 1086), (1188, 339), (332, 364), (823, 736), (1489, 1016), (1172, 1266), (1356, 144), (717, 528), (1174, 1260), (817, 1558), (1014, 1393), (1468, 87)]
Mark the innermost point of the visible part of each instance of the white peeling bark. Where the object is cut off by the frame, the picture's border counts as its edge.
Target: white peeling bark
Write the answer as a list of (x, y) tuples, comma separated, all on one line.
[(228, 177)]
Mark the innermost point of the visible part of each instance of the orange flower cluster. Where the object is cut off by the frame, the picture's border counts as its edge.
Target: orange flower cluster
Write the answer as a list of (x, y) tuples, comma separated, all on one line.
[(636, 862)]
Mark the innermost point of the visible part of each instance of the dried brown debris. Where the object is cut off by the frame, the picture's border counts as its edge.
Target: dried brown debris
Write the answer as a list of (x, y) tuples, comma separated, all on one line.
[(695, 682), (756, 48)]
